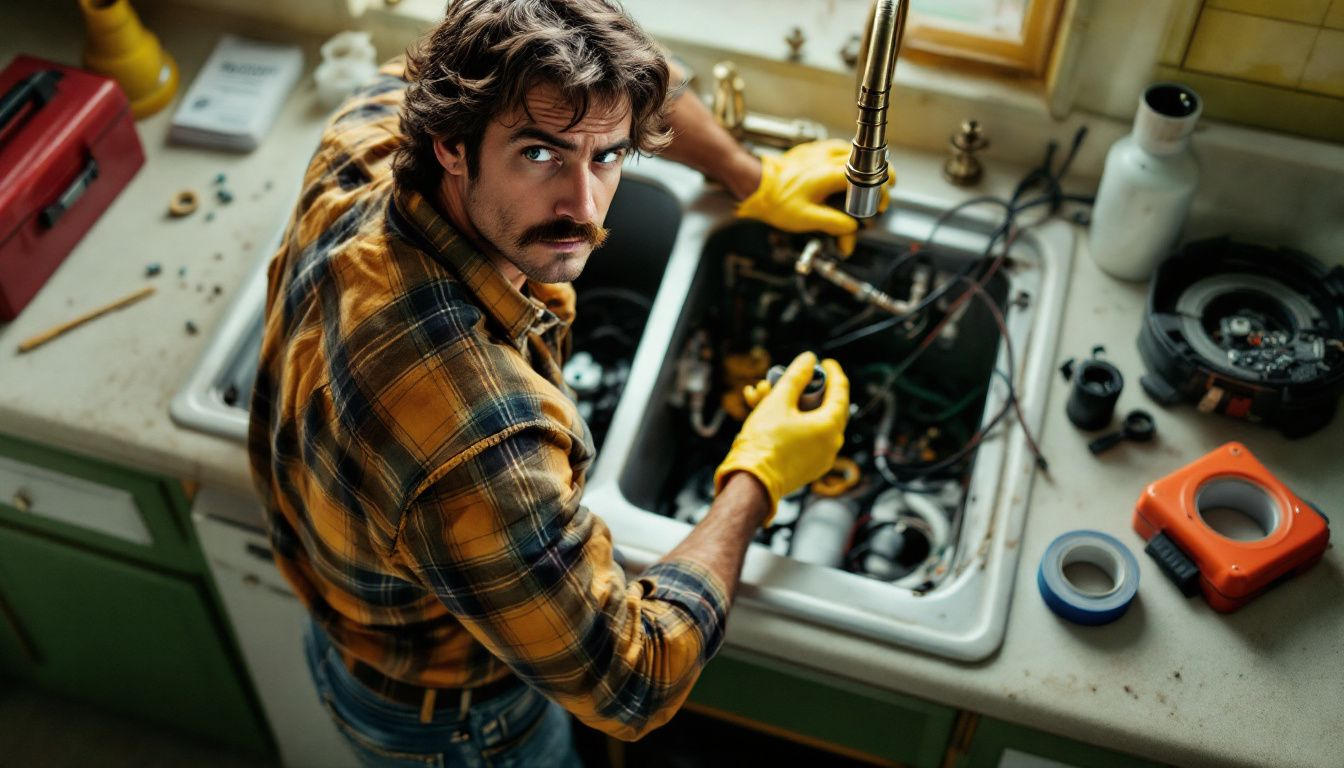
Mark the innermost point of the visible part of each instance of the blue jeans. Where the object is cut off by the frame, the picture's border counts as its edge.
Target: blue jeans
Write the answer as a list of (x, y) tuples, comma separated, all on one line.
[(516, 729)]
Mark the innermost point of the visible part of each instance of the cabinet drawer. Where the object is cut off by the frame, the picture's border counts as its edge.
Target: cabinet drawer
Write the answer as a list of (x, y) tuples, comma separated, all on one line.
[(43, 493), (88, 502), (823, 710)]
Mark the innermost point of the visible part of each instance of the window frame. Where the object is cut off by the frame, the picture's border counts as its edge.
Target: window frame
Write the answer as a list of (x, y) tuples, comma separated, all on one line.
[(1027, 55)]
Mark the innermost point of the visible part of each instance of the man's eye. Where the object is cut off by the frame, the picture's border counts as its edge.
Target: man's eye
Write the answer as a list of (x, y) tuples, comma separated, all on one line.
[(539, 154), (609, 157)]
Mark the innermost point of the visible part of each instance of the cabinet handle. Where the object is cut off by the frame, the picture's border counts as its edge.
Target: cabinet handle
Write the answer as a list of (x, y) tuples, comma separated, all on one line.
[(25, 642), (22, 501)]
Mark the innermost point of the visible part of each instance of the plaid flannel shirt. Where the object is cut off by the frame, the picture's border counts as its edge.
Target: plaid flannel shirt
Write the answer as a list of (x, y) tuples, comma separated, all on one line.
[(422, 462)]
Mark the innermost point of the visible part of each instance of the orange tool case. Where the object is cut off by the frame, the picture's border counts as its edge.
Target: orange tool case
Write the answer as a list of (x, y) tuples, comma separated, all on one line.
[(67, 148), (1230, 572)]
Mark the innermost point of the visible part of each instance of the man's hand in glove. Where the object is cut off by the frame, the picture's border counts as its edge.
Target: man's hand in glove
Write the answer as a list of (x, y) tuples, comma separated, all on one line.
[(794, 187), (782, 446)]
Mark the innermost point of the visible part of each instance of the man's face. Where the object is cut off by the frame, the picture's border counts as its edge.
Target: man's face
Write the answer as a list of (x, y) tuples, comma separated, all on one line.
[(542, 192)]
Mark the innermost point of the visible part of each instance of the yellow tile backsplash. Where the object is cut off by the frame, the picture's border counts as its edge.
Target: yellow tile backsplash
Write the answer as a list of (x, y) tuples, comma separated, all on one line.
[(1325, 67), (1334, 18), (1302, 11), (1250, 47), (1276, 64), (1184, 15)]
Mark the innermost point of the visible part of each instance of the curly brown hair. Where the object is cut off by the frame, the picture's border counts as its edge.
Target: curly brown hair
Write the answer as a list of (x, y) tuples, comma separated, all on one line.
[(486, 55)]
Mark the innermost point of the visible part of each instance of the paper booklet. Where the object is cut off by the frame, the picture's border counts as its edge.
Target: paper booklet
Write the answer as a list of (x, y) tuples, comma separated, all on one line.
[(237, 95)]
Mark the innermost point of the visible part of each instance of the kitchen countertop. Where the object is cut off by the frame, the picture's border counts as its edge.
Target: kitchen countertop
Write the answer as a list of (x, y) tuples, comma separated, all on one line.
[(1172, 680)]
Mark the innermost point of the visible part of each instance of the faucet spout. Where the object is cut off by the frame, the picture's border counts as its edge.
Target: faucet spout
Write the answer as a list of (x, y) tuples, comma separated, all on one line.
[(866, 170)]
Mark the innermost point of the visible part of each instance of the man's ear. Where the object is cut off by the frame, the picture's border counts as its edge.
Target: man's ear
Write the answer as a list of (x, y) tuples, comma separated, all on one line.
[(453, 157)]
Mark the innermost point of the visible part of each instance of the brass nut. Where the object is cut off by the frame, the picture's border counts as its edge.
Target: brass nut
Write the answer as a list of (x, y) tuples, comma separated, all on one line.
[(184, 203)]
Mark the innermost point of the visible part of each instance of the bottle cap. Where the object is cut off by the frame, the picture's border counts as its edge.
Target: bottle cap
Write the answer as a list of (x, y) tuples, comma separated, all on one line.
[(1166, 117)]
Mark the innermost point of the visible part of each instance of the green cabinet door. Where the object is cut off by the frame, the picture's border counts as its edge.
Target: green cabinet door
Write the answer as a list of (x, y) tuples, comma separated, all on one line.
[(124, 635), (825, 710)]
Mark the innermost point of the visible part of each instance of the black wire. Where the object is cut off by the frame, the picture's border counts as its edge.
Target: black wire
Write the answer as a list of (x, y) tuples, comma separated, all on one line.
[(920, 471), (1054, 197)]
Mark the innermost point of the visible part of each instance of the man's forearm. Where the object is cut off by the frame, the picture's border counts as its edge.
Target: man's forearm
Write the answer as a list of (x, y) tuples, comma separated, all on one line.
[(719, 542), (701, 143)]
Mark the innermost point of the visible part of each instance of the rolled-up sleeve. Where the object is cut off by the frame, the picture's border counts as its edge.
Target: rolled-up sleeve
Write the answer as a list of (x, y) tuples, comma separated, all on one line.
[(502, 539)]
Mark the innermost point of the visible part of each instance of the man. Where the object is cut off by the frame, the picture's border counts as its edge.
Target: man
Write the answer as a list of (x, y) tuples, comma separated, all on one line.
[(420, 462)]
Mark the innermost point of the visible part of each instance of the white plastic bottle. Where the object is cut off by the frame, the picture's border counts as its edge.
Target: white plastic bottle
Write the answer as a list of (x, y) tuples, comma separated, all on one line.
[(1146, 186)]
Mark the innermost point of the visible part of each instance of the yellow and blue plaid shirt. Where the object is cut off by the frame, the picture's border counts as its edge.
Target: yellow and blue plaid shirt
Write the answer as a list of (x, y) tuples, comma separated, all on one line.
[(422, 462)]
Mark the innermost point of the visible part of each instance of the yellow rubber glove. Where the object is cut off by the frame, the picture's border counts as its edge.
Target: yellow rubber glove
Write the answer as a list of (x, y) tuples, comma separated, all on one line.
[(784, 447), (795, 185)]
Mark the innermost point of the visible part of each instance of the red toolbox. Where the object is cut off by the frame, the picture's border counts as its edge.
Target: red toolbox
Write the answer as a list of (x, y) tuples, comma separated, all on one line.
[(67, 147)]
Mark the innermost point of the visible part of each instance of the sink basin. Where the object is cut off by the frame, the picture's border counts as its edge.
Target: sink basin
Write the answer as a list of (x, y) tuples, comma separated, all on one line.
[(645, 295)]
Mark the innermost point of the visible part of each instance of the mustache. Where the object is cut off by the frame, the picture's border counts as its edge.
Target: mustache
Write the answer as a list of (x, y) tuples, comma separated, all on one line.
[(564, 229)]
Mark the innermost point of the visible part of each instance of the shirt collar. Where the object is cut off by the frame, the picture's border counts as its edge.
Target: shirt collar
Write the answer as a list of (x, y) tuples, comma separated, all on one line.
[(515, 312)]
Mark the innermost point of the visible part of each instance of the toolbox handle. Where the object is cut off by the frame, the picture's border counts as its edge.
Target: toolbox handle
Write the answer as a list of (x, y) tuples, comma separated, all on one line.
[(71, 194), (38, 88)]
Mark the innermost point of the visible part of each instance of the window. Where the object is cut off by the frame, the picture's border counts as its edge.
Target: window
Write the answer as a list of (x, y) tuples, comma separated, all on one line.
[(1011, 35)]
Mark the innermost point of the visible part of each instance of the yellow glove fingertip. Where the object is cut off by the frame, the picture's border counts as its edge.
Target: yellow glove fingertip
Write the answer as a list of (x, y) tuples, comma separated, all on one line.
[(845, 243), (755, 393)]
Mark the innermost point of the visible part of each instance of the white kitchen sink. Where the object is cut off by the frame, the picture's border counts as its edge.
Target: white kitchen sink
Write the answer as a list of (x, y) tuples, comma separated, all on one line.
[(671, 235)]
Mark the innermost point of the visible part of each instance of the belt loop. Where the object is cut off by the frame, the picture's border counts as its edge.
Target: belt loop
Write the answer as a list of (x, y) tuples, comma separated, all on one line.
[(427, 705), (465, 703)]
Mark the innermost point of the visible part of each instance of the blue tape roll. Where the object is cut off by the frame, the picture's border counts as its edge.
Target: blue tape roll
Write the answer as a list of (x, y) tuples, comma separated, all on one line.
[(1101, 550)]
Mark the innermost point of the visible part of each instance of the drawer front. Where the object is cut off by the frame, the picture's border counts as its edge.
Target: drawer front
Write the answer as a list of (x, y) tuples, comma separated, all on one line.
[(40, 492), (90, 503)]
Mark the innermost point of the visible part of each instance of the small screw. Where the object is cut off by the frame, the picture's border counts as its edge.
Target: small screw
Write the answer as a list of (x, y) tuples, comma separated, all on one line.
[(191, 328), (152, 270)]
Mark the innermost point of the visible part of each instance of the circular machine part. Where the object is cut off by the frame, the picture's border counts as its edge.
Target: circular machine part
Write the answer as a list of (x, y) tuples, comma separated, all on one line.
[(908, 535), (1248, 331)]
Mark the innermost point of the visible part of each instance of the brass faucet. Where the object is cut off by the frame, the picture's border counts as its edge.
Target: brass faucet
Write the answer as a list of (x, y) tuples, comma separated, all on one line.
[(729, 107), (866, 170)]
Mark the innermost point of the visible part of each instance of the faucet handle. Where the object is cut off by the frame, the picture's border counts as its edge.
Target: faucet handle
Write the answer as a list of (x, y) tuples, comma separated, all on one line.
[(730, 100), (795, 41), (963, 168)]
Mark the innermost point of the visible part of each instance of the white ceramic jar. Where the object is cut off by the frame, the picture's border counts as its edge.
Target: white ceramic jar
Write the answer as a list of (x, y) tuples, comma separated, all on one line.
[(1147, 184)]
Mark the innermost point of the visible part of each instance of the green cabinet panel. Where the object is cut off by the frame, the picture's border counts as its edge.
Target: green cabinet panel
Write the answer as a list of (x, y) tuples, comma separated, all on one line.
[(15, 646), (869, 720), (162, 506), (993, 737), (131, 638)]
